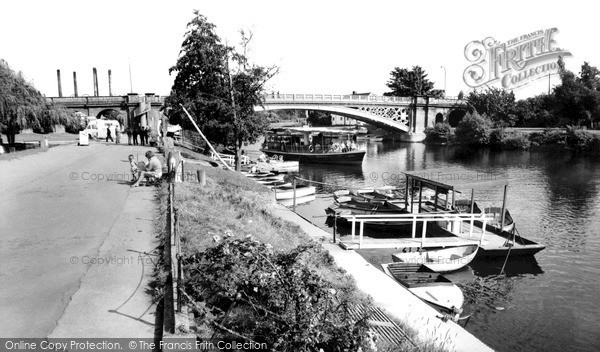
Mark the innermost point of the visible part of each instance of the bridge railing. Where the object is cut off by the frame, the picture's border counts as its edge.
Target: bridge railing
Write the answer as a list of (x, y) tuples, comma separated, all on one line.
[(354, 98), (88, 100), (334, 98)]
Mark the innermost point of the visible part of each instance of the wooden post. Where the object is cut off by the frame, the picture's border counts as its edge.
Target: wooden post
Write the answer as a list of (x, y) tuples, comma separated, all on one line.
[(503, 209), (420, 194), (483, 229), (412, 201), (294, 195), (414, 226), (472, 199), (471, 228), (423, 233), (360, 238), (334, 226), (202, 177), (353, 227), (406, 194)]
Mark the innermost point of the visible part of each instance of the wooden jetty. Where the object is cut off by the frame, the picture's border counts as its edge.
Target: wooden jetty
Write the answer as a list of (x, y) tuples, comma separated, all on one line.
[(438, 218)]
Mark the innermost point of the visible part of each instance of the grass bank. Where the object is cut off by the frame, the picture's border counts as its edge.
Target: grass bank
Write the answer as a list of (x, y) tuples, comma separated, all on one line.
[(260, 276)]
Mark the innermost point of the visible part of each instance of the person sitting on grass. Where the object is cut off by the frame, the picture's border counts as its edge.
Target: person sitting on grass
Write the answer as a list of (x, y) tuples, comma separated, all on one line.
[(134, 168), (153, 170)]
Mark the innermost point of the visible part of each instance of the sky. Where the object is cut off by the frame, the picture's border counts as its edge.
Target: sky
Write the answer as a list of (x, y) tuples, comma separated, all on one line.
[(329, 47)]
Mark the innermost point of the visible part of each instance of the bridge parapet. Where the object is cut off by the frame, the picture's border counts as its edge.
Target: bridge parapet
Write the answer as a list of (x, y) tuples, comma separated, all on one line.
[(353, 99), (110, 100)]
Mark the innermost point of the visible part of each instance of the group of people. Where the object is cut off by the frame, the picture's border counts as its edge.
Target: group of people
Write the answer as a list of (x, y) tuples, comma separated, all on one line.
[(132, 135), (134, 132), (342, 147)]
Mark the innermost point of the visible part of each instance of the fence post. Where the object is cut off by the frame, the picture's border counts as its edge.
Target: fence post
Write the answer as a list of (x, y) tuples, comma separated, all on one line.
[(201, 177), (334, 226), (294, 195)]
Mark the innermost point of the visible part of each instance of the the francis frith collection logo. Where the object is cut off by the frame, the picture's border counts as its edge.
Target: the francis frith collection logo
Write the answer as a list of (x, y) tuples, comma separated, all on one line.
[(514, 63)]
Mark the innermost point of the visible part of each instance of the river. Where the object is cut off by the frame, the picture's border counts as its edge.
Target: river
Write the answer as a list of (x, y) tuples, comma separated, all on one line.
[(549, 302)]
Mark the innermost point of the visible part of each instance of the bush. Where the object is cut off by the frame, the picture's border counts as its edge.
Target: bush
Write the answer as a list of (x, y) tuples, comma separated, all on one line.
[(473, 130), (440, 133), (582, 142), (549, 136), (274, 297), (503, 139), (515, 141)]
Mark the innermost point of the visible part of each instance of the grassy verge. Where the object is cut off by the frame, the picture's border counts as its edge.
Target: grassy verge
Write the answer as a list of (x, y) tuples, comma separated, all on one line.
[(217, 219)]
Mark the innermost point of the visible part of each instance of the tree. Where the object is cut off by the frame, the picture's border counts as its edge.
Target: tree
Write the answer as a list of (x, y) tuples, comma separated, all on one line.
[(577, 98), (208, 87), (405, 83), (21, 105), (498, 104), (474, 130)]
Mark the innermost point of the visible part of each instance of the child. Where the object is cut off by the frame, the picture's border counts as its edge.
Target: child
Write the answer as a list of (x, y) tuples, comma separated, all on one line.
[(135, 171)]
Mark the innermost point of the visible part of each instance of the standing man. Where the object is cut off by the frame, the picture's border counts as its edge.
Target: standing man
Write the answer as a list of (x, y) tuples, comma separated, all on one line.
[(135, 135), (128, 131), (142, 133), (108, 134), (118, 134)]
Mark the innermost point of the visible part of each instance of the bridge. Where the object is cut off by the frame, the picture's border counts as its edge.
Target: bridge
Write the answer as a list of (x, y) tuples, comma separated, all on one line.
[(406, 115), (139, 110)]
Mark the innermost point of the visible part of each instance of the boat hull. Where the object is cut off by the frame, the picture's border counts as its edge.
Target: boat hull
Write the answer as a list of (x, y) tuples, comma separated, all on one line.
[(351, 157), (288, 192), (433, 288), (299, 200), (439, 260)]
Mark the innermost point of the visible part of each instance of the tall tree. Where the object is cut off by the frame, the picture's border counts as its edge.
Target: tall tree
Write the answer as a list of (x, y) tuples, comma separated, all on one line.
[(495, 103), (211, 78), (577, 98), (21, 105), (408, 83)]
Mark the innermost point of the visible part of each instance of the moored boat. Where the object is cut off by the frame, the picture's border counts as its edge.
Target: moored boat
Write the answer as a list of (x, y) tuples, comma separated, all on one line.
[(315, 145), (438, 259), (464, 206), (431, 287), (299, 200), (300, 191)]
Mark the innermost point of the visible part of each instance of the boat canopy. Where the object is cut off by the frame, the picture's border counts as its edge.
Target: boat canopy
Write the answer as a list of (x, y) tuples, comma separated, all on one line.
[(458, 179), (306, 129)]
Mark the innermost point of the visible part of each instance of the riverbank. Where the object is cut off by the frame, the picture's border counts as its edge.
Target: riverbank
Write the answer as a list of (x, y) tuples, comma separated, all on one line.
[(228, 204)]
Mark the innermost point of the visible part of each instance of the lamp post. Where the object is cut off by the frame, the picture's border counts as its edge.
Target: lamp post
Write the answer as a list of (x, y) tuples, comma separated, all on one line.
[(444, 80)]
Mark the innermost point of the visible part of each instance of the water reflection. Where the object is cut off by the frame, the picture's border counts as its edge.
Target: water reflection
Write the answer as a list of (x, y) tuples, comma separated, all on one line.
[(550, 300)]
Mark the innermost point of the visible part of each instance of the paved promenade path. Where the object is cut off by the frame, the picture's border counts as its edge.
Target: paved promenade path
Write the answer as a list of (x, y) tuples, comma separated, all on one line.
[(72, 240)]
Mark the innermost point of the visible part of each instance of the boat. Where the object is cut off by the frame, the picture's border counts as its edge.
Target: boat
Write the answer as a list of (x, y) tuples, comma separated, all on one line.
[(464, 206), (299, 200), (431, 287), (269, 179), (346, 206), (288, 192), (313, 145), (438, 259), (375, 139), (278, 166), (257, 175), (279, 184)]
